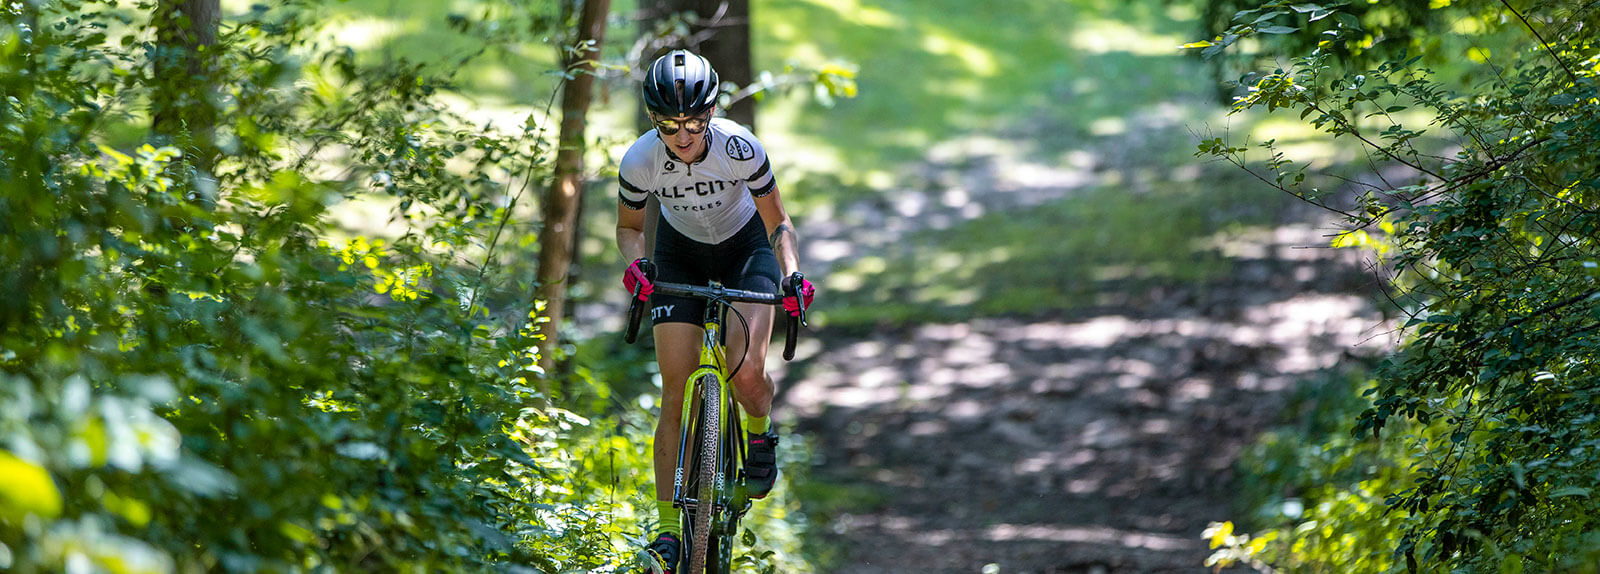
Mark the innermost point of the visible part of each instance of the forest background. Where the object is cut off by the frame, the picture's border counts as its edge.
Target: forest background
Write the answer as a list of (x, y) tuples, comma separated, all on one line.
[(272, 297)]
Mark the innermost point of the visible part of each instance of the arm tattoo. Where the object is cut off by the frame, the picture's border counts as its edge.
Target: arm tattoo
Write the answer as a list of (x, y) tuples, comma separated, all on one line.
[(779, 235)]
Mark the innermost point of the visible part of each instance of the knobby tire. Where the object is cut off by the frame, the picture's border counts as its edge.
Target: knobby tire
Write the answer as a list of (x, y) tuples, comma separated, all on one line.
[(705, 474), (731, 448)]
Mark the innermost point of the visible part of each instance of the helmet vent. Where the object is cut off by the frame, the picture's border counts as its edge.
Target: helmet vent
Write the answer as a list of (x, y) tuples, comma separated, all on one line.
[(679, 84), (677, 60)]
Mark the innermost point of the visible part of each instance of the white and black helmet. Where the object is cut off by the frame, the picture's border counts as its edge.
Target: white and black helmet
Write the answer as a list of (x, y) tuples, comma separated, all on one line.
[(680, 83)]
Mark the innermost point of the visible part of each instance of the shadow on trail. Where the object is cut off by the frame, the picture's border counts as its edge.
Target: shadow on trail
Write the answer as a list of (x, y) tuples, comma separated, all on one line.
[(1098, 443)]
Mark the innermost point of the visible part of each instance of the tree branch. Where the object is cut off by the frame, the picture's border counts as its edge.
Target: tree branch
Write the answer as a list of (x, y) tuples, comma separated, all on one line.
[(1547, 47), (1548, 309), (1281, 188), (488, 255), (1354, 132), (1487, 169)]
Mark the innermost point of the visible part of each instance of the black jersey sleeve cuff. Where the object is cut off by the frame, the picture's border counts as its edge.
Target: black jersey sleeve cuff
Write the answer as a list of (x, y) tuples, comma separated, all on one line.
[(631, 187), (622, 196), (763, 191), (628, 188)]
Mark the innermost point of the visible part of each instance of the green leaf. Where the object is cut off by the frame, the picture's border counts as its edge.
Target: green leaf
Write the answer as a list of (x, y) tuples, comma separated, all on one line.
[(27, 490), (1566, 491), (1563, 100), (295, 532), (1277, 30)]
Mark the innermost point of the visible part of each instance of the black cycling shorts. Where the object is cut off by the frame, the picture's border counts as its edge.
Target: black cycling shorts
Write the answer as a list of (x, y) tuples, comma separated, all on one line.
[(744, 261)]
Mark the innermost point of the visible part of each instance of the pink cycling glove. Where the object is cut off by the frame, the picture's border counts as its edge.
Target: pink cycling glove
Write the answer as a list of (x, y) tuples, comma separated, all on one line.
[(793, 303), (638, 278)]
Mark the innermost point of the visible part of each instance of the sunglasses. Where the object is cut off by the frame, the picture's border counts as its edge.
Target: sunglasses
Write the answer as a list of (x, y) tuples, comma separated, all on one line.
[(668, 126)]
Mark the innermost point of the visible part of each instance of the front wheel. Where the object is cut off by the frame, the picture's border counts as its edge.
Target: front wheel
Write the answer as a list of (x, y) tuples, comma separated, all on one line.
[(705, 474), (725, 532)]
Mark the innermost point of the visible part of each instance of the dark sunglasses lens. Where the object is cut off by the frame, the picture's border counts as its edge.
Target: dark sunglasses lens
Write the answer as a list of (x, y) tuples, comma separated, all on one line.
[(671, 127)]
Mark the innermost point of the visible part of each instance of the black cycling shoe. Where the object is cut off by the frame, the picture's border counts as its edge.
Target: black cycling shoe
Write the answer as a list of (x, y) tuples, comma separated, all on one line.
[(668, 549), (761, 465)]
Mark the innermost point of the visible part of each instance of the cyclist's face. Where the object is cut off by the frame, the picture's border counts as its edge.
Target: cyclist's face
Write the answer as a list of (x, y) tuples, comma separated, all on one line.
[(688, 137)]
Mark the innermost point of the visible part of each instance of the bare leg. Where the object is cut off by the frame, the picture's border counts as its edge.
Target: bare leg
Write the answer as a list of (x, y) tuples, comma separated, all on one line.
[(751, 385), (678, 354)]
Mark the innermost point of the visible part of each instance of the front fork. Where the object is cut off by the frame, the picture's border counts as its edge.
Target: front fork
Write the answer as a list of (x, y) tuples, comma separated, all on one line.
[(729, 509)]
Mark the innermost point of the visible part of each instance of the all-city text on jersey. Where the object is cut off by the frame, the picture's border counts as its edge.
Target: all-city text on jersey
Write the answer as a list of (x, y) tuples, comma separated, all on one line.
[(708, 200)]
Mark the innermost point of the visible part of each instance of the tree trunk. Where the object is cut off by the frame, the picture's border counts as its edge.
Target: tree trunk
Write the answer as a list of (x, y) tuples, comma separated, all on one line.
[(561, 199), (728, 48), (721, 33), (181, 106)]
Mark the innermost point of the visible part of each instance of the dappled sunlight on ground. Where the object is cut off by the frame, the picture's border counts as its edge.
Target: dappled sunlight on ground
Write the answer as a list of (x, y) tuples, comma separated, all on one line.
[(1061, 445), (1287, 338), (1101, 36)]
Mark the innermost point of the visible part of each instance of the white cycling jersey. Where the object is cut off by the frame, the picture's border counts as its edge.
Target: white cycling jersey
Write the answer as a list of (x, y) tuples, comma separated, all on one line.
[(709, 200)]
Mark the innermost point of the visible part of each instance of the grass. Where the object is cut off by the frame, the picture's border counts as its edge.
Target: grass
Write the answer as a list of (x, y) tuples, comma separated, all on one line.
[(1096, 248), (1036, 72)]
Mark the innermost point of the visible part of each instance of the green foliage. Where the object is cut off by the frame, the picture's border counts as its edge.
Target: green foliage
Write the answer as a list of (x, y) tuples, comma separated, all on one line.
[(1454, 38), (777, 534), (1392, 26), (828, 83), (1489, 408), (196, 374), (1316, 492)]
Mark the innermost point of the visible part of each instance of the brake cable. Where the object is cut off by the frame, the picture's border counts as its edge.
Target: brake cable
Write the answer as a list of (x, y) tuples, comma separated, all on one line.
[(746, 324)]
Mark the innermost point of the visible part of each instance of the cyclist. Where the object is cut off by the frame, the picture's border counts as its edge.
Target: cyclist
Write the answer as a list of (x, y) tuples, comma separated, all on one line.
[(721, 220)]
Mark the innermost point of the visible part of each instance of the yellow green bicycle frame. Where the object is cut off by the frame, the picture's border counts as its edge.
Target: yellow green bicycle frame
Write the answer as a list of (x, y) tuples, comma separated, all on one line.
[(713, 363), (712, 512)]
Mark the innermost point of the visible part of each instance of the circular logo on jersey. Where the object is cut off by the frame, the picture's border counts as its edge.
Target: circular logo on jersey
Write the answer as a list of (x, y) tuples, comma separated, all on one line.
[(670, 166), (740, 149)]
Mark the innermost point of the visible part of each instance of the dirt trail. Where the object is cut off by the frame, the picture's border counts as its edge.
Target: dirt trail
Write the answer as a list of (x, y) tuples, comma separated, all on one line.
[(1101, 444)]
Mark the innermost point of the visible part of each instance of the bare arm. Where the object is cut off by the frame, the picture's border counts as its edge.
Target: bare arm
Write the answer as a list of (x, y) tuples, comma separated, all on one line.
[(630, 232), (780, 232)]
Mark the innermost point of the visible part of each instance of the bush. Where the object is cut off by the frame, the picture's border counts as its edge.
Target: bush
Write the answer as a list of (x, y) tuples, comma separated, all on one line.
[(195, 375), (1490, 401)]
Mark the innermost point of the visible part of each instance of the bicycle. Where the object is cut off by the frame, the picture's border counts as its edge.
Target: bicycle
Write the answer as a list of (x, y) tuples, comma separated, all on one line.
[(708, 487)]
